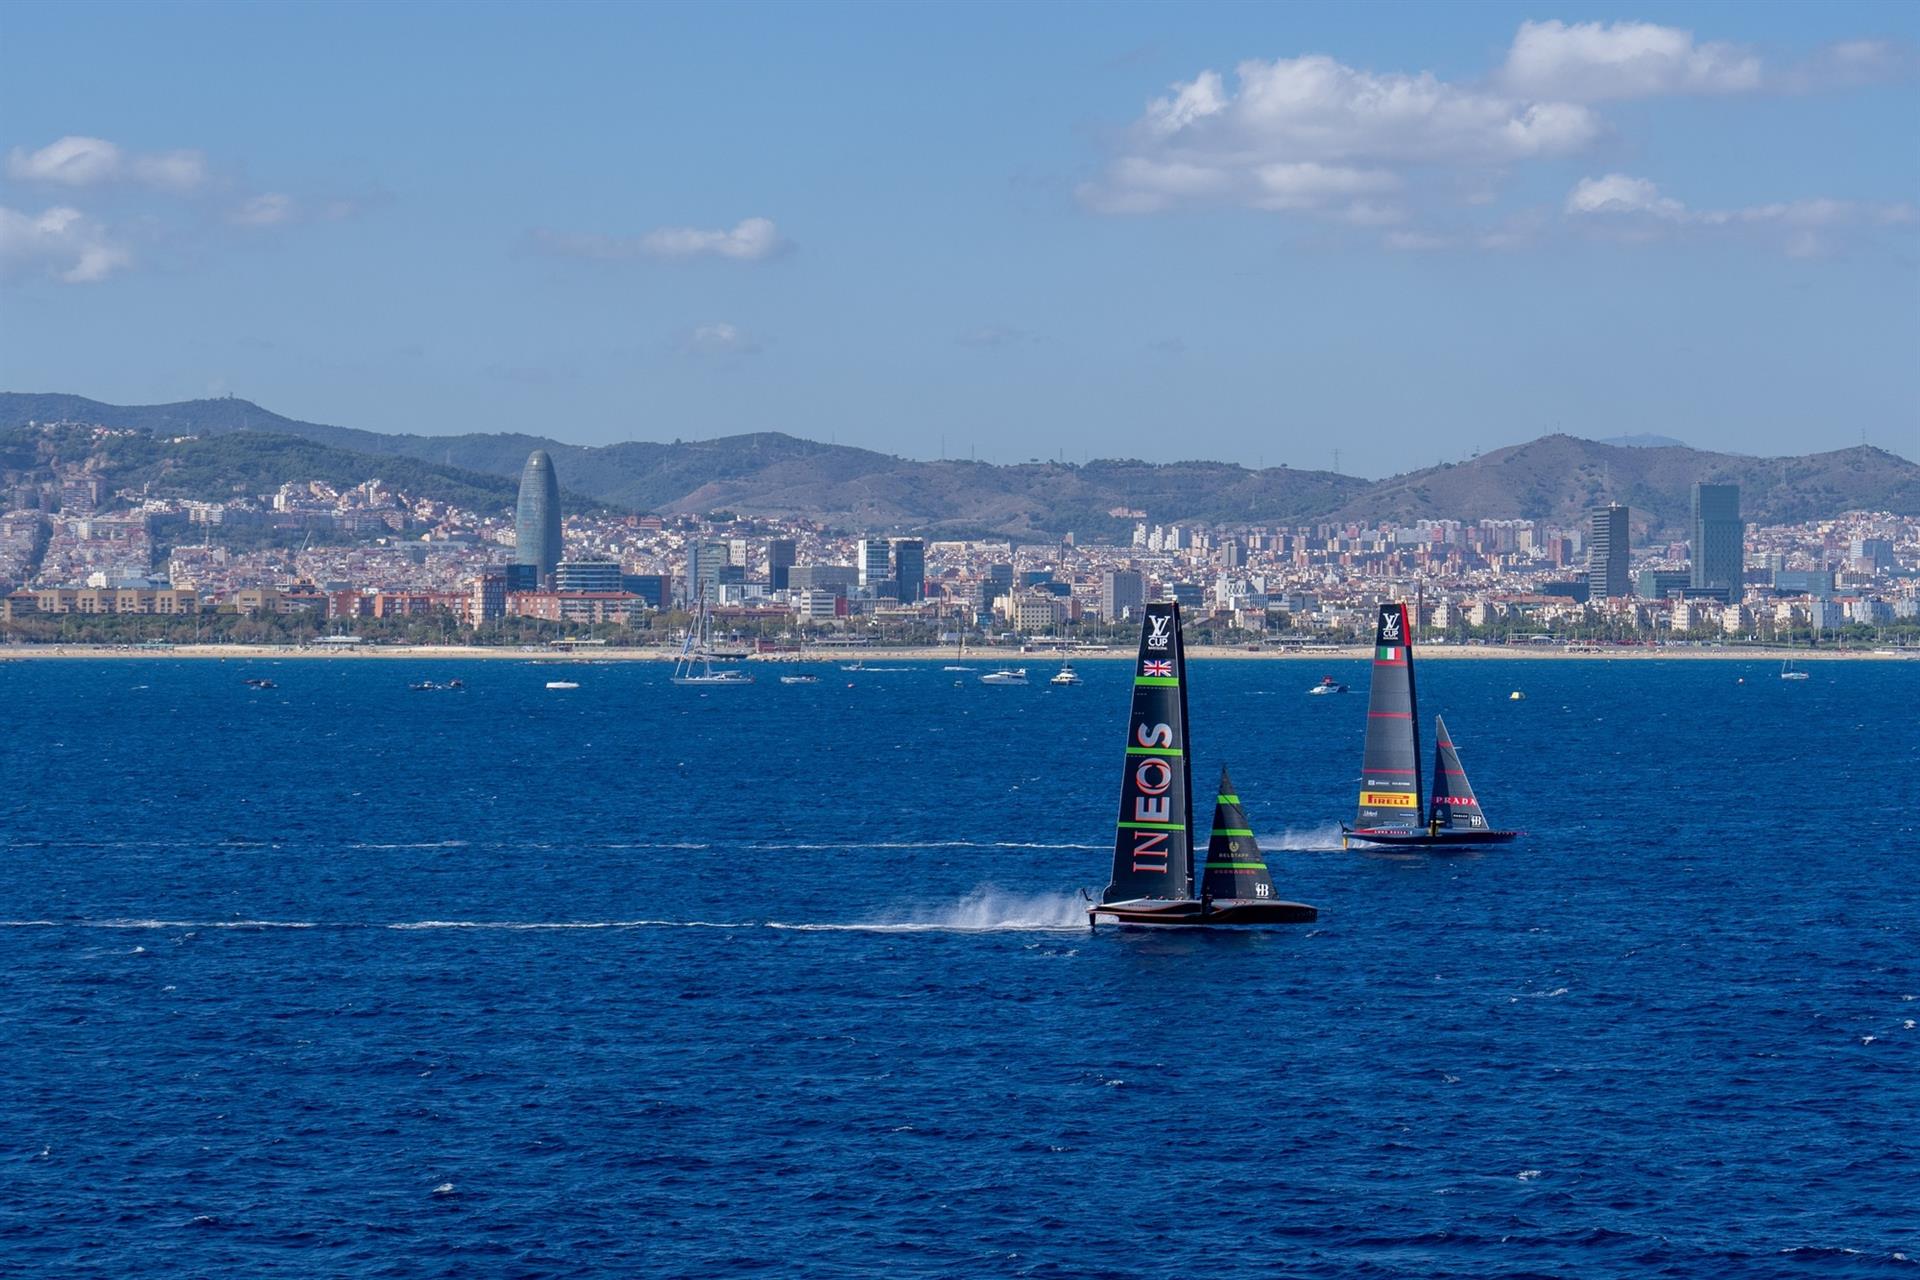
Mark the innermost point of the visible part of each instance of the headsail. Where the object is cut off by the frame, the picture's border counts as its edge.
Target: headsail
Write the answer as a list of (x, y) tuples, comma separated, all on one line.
[(1390, 765), (1454, 805), (1153, 848), (1234, 868)]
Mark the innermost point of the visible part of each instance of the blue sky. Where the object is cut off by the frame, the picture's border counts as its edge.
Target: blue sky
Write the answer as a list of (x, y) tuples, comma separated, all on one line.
[(1256, 233)]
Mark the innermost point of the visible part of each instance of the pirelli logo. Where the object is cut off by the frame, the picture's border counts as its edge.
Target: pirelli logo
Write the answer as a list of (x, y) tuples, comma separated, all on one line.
[(1388, 800)]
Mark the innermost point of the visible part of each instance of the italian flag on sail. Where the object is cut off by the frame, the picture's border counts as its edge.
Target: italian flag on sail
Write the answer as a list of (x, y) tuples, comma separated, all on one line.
[(1388, 653)]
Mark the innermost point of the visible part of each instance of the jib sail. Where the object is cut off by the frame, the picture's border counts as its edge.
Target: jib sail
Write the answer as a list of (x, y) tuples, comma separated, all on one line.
[(1390, 764), (1454, 804), (1234, 867), (1153, 847)]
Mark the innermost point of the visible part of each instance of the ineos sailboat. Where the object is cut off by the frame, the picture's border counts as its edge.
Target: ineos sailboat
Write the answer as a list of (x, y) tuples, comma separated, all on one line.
[(1391, 810), (1153, 849)]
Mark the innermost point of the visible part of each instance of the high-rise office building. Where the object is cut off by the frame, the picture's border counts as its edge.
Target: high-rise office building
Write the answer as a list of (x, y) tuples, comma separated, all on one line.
[(704, 562), (780, 560), (838, 578), (910, 570), (588, 575), (1608, 553), (1718, 547), (874, 561), (536, 518), (1122, 591)]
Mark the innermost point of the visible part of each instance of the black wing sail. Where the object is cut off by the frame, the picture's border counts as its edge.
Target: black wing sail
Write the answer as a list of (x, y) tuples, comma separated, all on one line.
[(1390, 765), (1153, 848), (1234, 869), (1454, 806)]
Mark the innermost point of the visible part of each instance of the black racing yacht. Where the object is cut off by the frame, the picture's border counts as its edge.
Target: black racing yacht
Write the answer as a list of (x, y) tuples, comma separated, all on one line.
[(1391, 810), (1152, 882)]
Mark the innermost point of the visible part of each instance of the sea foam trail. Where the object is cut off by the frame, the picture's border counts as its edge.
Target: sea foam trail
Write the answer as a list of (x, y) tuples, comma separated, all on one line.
[(985, 910), (1321, 839)]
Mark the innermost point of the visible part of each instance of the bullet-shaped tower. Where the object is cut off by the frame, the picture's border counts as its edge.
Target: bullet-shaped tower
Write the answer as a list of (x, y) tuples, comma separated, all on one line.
[(536, 519)]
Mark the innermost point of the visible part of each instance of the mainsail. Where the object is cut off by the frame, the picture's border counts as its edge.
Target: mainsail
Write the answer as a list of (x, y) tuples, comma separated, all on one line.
[(1153, 848), (1234, 868), (1390, 765), (1454, 805)]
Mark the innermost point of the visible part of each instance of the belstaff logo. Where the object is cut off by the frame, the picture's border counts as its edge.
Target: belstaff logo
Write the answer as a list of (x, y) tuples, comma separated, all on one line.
[(1390, 625), (1158, 633)]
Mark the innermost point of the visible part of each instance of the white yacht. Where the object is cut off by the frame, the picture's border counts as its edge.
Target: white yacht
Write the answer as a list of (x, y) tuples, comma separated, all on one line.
[(1005, 675)]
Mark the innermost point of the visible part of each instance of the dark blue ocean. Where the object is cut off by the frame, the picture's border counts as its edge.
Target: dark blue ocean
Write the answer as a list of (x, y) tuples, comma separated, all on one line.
[(338, 978)]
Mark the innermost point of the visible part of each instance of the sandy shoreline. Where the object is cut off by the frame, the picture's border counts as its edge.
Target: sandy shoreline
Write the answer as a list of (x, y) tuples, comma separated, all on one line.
[(988, 658)]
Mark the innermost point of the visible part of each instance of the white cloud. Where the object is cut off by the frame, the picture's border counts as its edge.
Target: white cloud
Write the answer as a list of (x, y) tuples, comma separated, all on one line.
[(62, 242), (718, 338), (1313, 135), (751, 240), (1591, 62), (77, 161), (269, 209), (1634, 208)]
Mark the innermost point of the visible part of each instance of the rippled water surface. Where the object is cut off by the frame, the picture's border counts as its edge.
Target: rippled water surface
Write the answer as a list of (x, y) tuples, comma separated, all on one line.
[(340, 978)]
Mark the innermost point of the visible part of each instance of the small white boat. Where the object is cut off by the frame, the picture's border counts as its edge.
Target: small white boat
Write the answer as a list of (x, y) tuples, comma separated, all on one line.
[(1787, 672), (953, 668), (1516, 696), (1066, 675), (1327, 685), (1005, 675), (562, 684), (799, 679)]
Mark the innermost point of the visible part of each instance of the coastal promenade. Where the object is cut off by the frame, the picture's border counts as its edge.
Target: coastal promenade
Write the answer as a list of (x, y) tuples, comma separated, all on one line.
[(985, 657)]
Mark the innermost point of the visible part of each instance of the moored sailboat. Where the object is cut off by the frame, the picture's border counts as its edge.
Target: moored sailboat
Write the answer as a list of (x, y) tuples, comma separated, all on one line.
[(1152, 882), (1391, 810)]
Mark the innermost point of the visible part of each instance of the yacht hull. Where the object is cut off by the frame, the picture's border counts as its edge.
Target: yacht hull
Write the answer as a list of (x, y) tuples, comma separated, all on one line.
[(1191, 913), (1424, 840)]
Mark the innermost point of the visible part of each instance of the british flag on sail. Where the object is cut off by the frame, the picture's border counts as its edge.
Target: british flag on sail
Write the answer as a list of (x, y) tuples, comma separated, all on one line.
[(1163, 669)]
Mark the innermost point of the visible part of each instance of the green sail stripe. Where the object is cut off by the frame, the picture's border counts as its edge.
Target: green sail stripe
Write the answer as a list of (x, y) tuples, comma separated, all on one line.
[(1153, 826), (1171, 682), (1232, 831), (1155, 751), (1226, 799), (1236, 866)]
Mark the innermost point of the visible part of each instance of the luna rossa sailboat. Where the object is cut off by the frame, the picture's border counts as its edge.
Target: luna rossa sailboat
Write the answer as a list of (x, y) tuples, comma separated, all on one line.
[(1391, 810), (1152, 882)]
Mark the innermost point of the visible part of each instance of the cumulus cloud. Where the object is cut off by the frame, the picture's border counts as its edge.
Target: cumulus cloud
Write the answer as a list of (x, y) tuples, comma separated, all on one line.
[(61, 242), (77, 161), (1635, 208), (750, 240), (1592, 62), (719, 338), (1314, 135)]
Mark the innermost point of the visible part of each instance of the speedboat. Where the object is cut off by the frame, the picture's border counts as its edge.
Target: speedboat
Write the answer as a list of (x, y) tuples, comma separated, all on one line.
[(1005, 675), (1328, 685), (562, 684), (1066, 675), (799, 679)]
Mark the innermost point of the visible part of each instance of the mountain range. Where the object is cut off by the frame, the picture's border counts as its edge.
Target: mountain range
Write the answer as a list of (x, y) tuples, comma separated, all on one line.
[(1556, 477)]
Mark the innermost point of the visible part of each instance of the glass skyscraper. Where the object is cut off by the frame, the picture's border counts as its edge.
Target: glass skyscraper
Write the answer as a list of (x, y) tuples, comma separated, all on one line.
[(1718, 548), (1608, 553), (536, 520)]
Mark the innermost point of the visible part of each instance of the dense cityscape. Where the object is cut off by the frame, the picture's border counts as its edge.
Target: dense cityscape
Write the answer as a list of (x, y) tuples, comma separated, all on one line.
[(310, 560)]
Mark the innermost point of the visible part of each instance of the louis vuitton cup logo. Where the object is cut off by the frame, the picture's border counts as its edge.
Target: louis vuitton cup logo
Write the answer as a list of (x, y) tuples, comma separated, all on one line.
[(1158, 632), (1390, 624)]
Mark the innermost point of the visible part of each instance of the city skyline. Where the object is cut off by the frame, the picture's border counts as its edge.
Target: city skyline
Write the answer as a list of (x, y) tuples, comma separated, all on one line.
[(1690, 222)]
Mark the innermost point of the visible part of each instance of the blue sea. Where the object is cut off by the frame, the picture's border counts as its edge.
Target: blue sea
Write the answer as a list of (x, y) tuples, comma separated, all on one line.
[(339, 978)]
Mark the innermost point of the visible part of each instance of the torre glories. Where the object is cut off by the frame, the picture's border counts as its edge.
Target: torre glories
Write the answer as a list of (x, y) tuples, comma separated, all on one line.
[(536, 523)]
